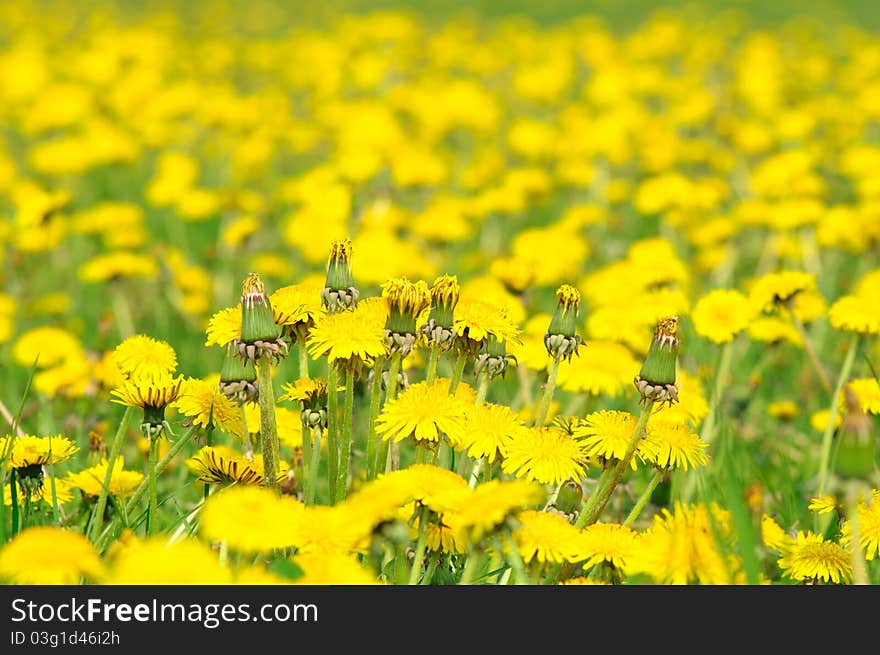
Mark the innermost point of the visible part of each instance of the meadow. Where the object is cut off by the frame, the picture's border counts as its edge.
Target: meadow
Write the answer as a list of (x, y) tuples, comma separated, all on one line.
[(449, 295)]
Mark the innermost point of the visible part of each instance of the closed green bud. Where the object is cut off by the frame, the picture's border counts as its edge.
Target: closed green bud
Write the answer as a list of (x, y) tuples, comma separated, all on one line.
[(857, 445), (260, 334), (339, 292), (238, 377), (570, 497), (657, 379), (562, 339)]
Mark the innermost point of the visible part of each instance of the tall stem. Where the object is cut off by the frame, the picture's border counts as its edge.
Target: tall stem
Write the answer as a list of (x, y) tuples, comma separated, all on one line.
[(13, 493), (636, 511), (306, 432), (268, 429), (610, 479), (433, 360), (482, 387), (332, 428), (345, 447), (825, 460), (382, 460), (857, 554), (416, 569), (313, 468), (154, 498), (303, 360), (547, 398), (115, 447), (474, 556), (176, 447), (375, 399), (457, 372)]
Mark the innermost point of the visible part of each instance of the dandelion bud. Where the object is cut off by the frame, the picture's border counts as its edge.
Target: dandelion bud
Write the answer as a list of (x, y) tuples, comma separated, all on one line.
[(570, 497), (857, 450), (238, 377), (562, 339), (656, 380), (495, 359), (438, 329), (406, 300), (339, 292), (260, 334)]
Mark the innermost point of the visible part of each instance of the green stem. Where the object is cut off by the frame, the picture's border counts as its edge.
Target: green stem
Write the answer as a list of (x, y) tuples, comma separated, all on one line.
[(457, 372), (247, 446), (313, 467), (154, 504), (547, 398), (176, 447), (383, 459), (811, 352), (268, 428), (306, 432), (482, 388), (470, 566), (375, 399), (825, 461), (115, 447), (708, 430), (332, 428), (521, 575), (303, 360), (209, 441), (644, 498), (13, 492), (416, 569), (429, 572), (345, 447), (433, 360), (610, 479)]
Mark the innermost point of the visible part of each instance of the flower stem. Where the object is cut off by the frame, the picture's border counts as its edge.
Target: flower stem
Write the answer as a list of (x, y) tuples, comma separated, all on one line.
[(811, 352), (154, 504), (433, 360), (115, 447), (416, 569), (332, 428), (268, 429), (825, 460), (457, 372), (303, 361), (547, 398), (429, 572), (375, 399), (313, 467), (610, 479), (644, 498), (470, 567), (521, 575), (13, 492), (383, 461), (345, 447), (482, 388), (306, 458)]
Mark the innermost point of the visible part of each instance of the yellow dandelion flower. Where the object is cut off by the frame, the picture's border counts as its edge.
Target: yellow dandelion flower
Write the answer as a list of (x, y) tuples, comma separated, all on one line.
[(148, 393), (771, 329), (91, 480), (487, 430), (155, 561), (823, 504), (810, 558), (546, 537), (855, 314), (297, 305), (682, 547), (223, 465), (477, 320), (869, 527), (250, 519), (606, 542), (516, 273), (424, 412), (143, 356), (491, 504), (669, 445), (428, 485), (29, 450), (224, 326), (819, 420), (46, 346), (545, 454), (722, 314), (332, 569), (311, 392), (122, 263), (774, 289), (773, 536), (867, 391), (606, 434), (604, 368), (348, 335), (205, 405), (50, 556), (341, 529), (784, 410)]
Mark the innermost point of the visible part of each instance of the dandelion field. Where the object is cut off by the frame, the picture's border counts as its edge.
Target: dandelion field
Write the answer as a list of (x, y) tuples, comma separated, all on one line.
[(347, 295)]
